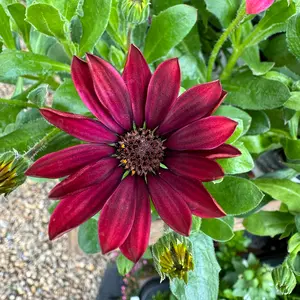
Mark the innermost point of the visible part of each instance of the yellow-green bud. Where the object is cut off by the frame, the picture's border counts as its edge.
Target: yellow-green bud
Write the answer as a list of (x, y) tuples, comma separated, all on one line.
[(173, 257), (284, 279), (135, 11), (12, 168)]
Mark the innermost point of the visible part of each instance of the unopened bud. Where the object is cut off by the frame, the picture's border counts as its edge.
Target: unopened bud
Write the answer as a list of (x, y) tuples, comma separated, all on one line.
[(284, 279), (135, 11), (173, 257), (12, 168)]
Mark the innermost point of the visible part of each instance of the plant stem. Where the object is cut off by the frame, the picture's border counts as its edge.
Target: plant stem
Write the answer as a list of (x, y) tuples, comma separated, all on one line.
[(129, 33), (16, 102), (23, 95), (233, 25), (46, 139)]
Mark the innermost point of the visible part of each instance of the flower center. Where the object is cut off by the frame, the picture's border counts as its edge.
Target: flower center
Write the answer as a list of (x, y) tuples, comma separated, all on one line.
[(140, 151)]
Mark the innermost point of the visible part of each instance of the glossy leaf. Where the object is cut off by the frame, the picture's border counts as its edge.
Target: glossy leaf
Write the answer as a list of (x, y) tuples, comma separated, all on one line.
[(94, 21), (18, 63), (257, 93), (124, 265), (67, 99), (240, 164), (260, 123), (17, 11), (217, 229), (293, 35), (284, 190), (88, 237), (205, 262), (225, 11), (5, 31), (268, 223), (168, 29), (235, 195), (49, 20), (25, 137)]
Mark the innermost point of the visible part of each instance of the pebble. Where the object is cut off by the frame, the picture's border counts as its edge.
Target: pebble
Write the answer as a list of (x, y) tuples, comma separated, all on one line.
[(32, 267)]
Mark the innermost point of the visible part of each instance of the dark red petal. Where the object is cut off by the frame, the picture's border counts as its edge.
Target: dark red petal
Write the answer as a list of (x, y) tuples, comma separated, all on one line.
[(75, 210), (193, 165), (138, 238), (170, 205), (197, 102), (201, 203), (137, 76), (204, 134), (223, 151), (111, 90), (89, 175), (117, 216), (67, 161), (83, 128), (162, 92), (84, 85)]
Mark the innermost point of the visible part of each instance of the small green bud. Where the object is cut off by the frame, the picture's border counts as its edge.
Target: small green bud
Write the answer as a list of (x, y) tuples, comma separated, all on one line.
[(173, 256), (135, 11), (12, 168), (284, 279)]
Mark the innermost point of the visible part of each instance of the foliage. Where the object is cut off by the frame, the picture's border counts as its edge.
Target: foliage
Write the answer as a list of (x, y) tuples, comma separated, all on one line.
[(255, 56)]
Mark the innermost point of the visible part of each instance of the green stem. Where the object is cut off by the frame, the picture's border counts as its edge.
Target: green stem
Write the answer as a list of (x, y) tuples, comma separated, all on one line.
[(129, 33), (233, 25), (23, 96), (16, 102), (46, 139)]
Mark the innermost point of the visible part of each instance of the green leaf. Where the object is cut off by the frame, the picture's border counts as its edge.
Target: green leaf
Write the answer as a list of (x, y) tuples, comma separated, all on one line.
[(294, 243), (255, 93), (237, 165), (88, 237), (268, 223), (276, 50), (283, 190), (260, 143), (293, 35), (5, 31), (94, 21), (124, 265), (291, 148), (235, 113), (205, 262), (17, 11), (25, 137), (38, 95), (225, 11), (49, 20), (168, 29), (294, 101), (274, 21), (67, 99), (18, 63), (235, 195), (160, 5), (237, 133), (217, 229), (260, 123), (71, 7), (52, 207)]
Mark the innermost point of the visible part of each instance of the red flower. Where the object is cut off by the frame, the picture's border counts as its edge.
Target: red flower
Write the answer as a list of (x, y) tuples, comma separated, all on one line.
[(177, 132), (257, 6)]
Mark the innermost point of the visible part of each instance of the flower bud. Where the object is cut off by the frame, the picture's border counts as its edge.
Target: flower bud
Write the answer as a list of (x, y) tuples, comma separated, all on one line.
[(12, 168), (135, 11), (284, 279), (173, 257)]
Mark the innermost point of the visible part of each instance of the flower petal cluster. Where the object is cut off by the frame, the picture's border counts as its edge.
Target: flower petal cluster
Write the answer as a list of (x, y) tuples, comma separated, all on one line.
[(257, 6), (166, 144)]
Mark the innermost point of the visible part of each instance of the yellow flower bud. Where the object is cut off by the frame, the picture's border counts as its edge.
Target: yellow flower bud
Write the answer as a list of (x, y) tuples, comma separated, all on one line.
[(135, 11)]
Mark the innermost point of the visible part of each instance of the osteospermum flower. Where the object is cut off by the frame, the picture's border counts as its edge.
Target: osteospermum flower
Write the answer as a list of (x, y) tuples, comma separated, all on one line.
[(142, 128), (257, 6)]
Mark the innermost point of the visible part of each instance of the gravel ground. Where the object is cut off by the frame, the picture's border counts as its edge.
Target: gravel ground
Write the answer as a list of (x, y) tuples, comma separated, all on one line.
[(32, 267)]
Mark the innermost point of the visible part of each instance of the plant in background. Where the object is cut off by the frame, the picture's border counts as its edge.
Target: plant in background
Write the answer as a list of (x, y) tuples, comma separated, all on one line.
[(161, 139)]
